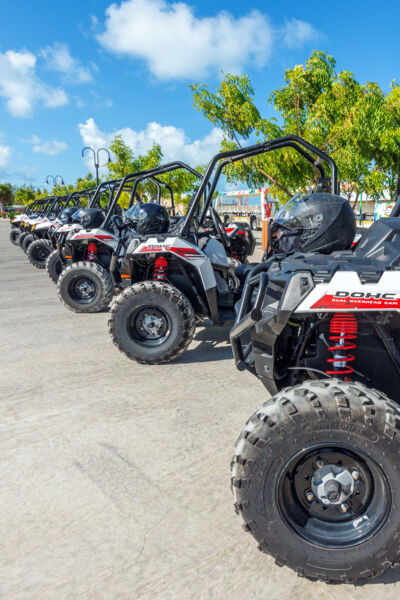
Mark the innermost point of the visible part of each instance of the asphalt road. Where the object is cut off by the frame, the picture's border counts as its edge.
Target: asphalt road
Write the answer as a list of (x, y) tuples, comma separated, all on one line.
[(114, 477)]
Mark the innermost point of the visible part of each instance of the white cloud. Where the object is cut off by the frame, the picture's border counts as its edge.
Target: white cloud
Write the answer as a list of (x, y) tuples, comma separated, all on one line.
[(297, 33), (175, 43), (5, 155), (22, 88), (58, 58), (49, 147), (173, 141)]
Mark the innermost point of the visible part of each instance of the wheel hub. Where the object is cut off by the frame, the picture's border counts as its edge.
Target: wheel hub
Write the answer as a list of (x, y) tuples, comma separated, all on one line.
[(84, 289), (332, 485), (149, 325), (152, 324)]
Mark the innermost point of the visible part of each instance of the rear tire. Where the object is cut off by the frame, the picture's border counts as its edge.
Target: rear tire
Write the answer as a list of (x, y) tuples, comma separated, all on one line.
[(85, 287), (14, 236), (27, 241), (54, 265), (253, 223), (38, 253), (152, 322), (308, 427)]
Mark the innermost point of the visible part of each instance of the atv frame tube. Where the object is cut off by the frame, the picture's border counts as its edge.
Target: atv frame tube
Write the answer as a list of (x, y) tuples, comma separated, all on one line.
[(224, 158)]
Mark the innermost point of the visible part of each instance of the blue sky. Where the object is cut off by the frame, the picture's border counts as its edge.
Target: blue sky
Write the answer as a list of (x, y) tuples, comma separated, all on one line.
[(73, 75)]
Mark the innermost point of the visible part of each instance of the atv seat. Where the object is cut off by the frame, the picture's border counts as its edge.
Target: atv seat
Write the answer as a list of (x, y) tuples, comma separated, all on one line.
[(381, 242)]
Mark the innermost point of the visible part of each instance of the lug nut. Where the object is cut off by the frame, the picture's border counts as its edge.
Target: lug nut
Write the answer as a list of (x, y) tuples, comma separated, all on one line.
[(355, 475), (344, 507), (320, 463), (310, 496)]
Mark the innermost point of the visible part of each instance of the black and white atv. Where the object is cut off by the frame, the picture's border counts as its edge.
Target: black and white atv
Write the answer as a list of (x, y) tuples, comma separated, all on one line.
[(40, 243), (184, 274), (35, 213), (67, 220), (18, 222), (315, 473), (96, 252)]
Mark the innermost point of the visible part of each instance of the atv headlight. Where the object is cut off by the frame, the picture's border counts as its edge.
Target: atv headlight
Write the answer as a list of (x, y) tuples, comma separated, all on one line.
[(33, 227)]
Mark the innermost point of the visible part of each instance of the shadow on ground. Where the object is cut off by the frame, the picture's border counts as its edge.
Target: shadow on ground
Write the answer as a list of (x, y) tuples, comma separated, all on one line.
[(213, 346)]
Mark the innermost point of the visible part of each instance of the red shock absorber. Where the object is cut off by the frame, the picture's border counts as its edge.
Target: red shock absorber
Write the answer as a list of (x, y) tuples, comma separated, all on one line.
[(343, 329), (160, 268), (92, 251)]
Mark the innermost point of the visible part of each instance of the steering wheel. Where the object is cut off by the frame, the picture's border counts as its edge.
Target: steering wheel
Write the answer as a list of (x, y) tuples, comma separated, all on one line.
[(219, 228)]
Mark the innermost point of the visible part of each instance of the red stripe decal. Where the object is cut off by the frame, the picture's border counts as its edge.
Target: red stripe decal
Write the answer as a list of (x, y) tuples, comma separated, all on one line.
[(184, 252), (99, 236)]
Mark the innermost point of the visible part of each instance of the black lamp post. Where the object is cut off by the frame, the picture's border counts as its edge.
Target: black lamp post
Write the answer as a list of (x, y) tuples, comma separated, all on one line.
[(96, 158), (54, 180)]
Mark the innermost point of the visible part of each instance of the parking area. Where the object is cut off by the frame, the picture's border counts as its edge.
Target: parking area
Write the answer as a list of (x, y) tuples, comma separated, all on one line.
[(114, 476)]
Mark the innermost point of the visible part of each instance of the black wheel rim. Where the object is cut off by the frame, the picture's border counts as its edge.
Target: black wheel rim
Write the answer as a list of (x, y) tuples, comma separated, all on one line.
[(41, 254), (333, 497), (82, 289), (149, 326)]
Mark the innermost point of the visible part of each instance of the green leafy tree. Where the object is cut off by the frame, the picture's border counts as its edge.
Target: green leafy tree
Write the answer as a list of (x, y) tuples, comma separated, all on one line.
[(85, 183), (24, 195), (126, 162), (6, 194), (357, 124)]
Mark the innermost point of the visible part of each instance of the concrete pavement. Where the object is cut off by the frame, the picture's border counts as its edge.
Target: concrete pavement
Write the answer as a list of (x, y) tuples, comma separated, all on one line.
[(114, 476)]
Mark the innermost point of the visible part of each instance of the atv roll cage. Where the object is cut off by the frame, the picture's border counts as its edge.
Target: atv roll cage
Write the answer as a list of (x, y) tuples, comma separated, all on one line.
[(33, 205), (43, 205), (213, 172), (78, 195), (159, 184), (140, 176)]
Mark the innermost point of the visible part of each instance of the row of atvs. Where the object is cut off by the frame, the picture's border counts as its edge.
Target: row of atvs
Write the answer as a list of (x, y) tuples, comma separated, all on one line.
[(315, 473), (164, 280)]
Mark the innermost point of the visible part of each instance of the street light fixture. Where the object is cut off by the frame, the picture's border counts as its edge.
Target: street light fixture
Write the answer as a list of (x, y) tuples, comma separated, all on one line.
[(54, 180), (96, 158)]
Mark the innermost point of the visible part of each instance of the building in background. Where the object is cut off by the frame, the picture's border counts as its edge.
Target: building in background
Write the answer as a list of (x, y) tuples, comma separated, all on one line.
[(251, 206)]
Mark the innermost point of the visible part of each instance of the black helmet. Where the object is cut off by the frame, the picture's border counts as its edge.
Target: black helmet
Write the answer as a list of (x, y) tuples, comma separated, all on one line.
[(67, 213), (147, 218), (77, 215), (91, 218), (313, 223)]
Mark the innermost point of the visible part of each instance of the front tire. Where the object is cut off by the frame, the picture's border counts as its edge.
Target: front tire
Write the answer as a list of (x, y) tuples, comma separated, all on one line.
[(38, 253), (54, 265), (14, 236), (152, 322), (21, 238), (27, 241), (85, 287), (315, 477)]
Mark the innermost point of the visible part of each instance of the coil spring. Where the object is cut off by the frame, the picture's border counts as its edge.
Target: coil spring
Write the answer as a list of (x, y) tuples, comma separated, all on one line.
[(92, 251), (343, 329), (160, 268)]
